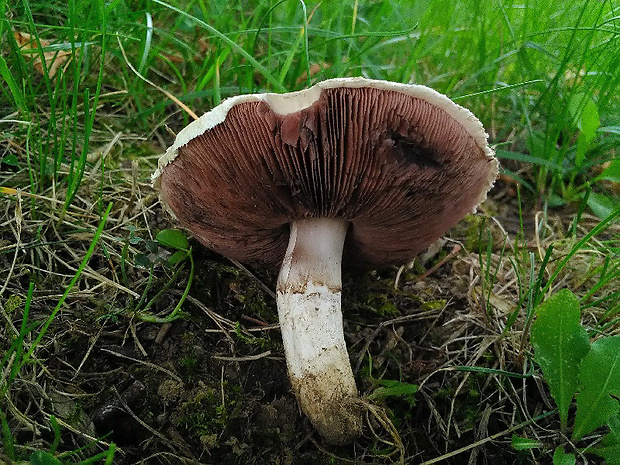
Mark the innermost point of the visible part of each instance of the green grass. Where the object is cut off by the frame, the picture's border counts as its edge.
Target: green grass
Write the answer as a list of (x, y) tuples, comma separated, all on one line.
[(87, 285)]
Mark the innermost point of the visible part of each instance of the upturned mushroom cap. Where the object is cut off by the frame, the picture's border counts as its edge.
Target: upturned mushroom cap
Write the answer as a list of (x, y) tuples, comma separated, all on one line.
[(401, 163), (375, 169)]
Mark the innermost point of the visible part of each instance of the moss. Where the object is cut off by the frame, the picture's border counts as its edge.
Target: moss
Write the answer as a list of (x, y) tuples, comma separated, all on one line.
[(433, 304), (467, 416), (254, 303), (12, 304), (170, 391), (382, 304), (188, 363), (249, 339), (206, 415), (468, 231), (189, 360)]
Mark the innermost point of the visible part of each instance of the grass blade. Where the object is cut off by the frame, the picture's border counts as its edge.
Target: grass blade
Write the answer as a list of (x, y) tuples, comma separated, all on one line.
[(83, 264), (12, 85), (278, 86), (89, 116)]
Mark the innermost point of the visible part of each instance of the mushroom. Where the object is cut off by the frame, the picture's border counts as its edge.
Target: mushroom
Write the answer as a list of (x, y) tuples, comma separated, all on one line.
[(369, 172)]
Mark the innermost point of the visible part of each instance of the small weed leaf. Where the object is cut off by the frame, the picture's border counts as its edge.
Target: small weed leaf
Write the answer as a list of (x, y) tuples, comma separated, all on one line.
[(392, 388), (560, 343), (609, 448), (133, 235), (562, 458), (10, 160), (172, 238), (599, 379), (143, 261), (135, 240), (44, 458)]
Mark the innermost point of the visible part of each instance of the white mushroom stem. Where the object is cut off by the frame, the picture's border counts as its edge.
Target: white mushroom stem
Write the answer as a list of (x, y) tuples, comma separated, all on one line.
[(308, 295)]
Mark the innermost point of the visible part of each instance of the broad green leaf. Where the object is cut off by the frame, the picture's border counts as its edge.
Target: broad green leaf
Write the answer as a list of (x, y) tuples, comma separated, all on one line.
[(589, 121), (177, 257), (172, 238), (562, 458), (560, 343), (611, 173), (554, 200), (584, 113), (520, 443), (609, 447), (599, 380), (601, 205), (582, 147)]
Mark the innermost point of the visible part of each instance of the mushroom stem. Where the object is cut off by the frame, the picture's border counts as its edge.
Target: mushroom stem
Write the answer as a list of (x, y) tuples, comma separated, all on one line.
[(308, 295)]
